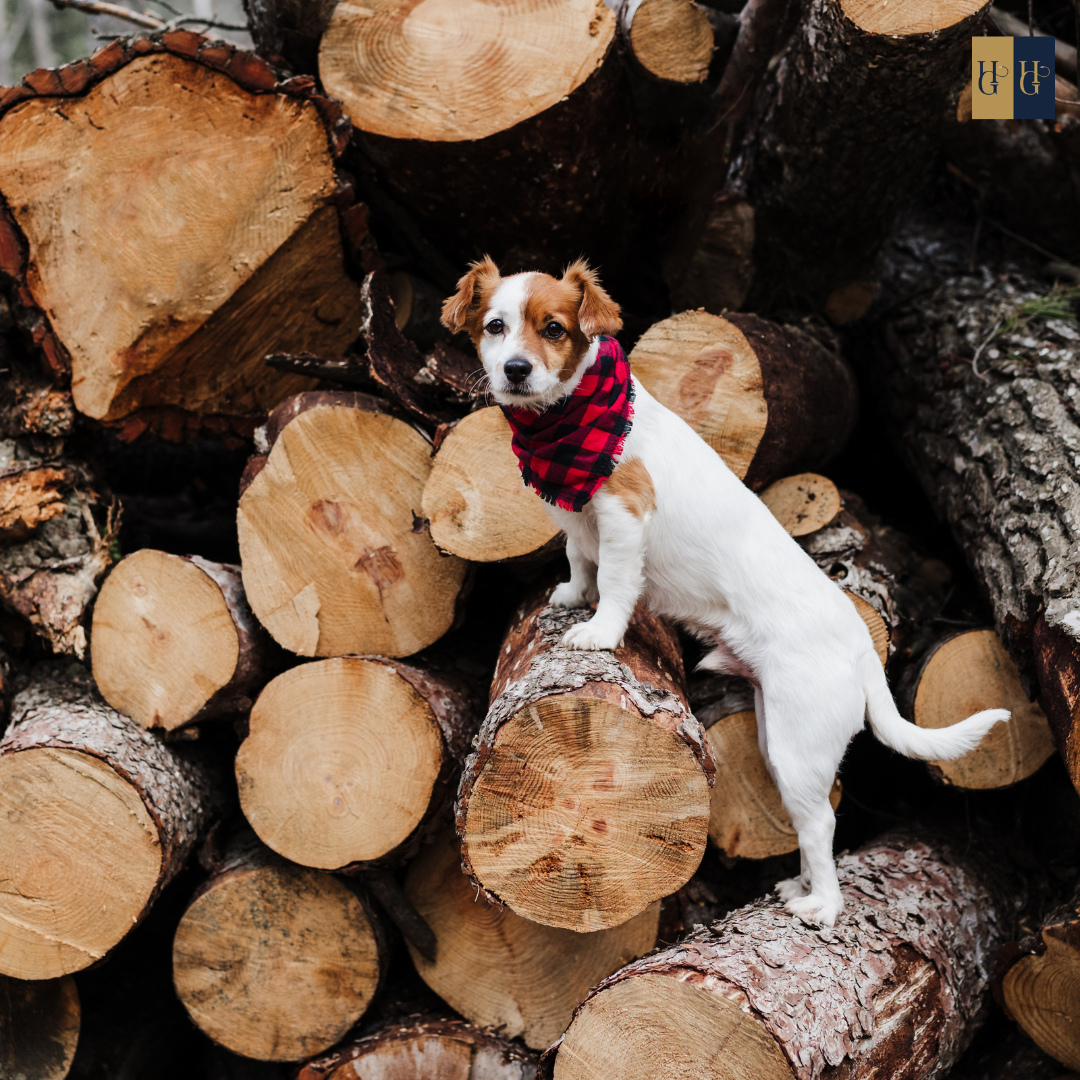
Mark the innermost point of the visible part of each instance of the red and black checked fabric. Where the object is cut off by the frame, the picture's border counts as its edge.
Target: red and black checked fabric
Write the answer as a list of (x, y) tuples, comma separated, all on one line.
[(567, 451)]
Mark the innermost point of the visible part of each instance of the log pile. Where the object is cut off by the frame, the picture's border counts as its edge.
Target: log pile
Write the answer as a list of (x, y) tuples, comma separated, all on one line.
[(314, 784)]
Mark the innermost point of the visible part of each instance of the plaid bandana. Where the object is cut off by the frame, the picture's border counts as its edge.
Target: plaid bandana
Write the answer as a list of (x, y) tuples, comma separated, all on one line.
[(567, 451)]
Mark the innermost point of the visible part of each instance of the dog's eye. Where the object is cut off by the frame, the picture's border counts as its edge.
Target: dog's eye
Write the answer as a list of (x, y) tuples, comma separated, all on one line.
[(553, 330), (495, 326)]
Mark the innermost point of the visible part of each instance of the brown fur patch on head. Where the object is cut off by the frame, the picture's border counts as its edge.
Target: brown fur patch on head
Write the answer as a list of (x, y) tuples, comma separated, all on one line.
[(549, 300), (465, 309), (633, 485), (597, 313)]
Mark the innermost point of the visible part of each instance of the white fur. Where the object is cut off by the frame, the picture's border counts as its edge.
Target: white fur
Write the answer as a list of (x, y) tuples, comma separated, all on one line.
[(714, 558)]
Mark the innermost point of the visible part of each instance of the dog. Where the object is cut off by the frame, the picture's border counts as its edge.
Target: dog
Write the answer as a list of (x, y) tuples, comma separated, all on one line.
[(651, 512)]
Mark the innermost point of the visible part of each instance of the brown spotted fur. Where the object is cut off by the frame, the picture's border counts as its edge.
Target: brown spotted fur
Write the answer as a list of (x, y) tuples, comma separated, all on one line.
[(633, 485)]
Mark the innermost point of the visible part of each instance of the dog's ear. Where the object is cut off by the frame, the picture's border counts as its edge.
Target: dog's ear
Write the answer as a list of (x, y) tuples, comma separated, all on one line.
[(483, 276), (598, 314)]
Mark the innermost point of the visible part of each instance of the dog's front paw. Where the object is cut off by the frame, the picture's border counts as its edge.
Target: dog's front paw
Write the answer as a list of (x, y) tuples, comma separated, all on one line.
[(816, 910), (791, 889), (567, 595), (590, 637)]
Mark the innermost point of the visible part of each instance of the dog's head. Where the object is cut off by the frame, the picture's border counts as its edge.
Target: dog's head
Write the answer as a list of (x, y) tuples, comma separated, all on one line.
[(532, 331)]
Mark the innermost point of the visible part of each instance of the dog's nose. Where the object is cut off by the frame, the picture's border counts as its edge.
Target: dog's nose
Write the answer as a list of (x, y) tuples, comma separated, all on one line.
[(517, 370)]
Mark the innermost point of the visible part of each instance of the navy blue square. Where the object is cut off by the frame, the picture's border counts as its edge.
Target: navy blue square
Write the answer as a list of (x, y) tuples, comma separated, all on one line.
[(1033, 78)]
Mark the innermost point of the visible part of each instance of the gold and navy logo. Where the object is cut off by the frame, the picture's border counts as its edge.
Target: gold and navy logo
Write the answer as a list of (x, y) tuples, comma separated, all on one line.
[(1012, 78)]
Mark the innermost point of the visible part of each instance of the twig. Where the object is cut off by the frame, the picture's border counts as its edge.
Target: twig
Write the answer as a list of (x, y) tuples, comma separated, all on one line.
[(99, 7), (986, 341)]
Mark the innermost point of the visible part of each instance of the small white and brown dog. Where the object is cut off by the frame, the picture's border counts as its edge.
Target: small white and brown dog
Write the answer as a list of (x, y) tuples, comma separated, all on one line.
[(673, 525)]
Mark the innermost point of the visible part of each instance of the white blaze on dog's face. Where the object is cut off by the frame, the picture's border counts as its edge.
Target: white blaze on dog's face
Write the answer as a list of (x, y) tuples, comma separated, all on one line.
[(532, 331)]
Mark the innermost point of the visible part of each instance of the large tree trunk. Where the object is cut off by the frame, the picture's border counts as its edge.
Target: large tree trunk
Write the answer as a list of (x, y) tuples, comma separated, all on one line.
[(333, 561), (502, 971), (978, 374), (39, 1027), (426, 1047), (274, 961), (589, 734), (364, 774), (86, 789), (175, 314), (174, 640), (768, 399), (896, 989), (543, 134), (289, 30)]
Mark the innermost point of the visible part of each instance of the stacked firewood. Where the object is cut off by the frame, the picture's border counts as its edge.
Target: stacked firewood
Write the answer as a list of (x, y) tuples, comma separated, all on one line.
[(294, 768)]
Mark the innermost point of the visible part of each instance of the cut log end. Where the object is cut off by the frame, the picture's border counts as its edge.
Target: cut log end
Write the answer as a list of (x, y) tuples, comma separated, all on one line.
[(70, 810), (655, 1026), (502, 971), (910, 18), (39, 1028), (163, 640), (879, 629), (276, 962), (965, 674), (672, 40), (331, 564), (475, 502), (314, 773), (803, 503), (492, 74), (569, 823)]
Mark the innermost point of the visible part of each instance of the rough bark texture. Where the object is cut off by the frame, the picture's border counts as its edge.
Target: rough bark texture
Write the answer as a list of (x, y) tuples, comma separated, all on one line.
[(841, 133), (39, 1027), (982, 375), (274, 961), (896, 989), (425, 1046), (644, 679), (56, 538), (289, 30), (59, 712), (769, 399), (115, 384)]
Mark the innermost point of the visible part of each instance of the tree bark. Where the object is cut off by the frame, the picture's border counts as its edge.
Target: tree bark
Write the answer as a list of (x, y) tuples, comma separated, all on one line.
[(896, 989), (501, 971), (39, 1027), (544, 136), (589, 734), (174, 640), (1038, 981), (979, 376), (475, 502), (86, 789), (289, 30), (152, 329), (363, 776), (332, 559), (274, 961), (425, 1046), (768, 399)]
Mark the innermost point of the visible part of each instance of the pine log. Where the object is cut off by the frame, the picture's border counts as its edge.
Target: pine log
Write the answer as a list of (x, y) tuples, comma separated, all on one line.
[(587, 795), (425, 1047), (175, 313), (672, 40), (768, 399), (332, 561), (858, 82), (1038, 981), (474, 501), (96, 816), (289, 30), (529, 113), (350, 760), (273, 961), (896, 989), (747, 818), (173, 640), (56, 539), (417, 308), (979, 374), (961, 674), (39, 1028), (505, 972)]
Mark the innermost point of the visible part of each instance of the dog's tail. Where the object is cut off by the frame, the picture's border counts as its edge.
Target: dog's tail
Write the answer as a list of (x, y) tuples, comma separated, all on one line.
[(928, 744)]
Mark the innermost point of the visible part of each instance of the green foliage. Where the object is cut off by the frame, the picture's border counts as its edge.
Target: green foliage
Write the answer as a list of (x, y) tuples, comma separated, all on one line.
[(1057, 304)]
